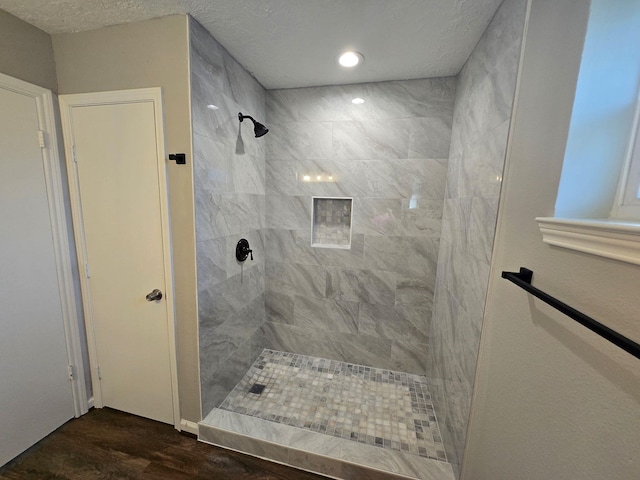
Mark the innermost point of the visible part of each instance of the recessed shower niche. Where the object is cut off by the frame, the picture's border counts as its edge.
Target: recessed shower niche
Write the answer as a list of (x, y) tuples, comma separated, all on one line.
[(331, 218)]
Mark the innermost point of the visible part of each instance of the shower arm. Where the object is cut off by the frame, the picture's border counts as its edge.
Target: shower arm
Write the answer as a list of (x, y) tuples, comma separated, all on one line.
[(241, 117)]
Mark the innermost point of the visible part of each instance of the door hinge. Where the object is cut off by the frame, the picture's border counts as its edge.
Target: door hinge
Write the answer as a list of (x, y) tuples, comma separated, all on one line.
[(99, 373), (86, 270), (41, 141), (70, 371), (73, 154)]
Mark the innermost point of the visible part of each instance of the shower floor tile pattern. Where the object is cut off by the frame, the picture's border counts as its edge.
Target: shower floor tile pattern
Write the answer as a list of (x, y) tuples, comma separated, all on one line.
[(383, 408)]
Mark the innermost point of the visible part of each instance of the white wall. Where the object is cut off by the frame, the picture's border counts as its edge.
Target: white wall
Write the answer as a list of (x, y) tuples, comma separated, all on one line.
[(552, 400)]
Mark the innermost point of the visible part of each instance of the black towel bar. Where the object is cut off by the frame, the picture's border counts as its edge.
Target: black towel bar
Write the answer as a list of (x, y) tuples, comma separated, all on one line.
[(523, 280)]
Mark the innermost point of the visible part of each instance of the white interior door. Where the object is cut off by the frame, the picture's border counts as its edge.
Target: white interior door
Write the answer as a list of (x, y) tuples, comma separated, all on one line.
[(115, 141), (35, 390)]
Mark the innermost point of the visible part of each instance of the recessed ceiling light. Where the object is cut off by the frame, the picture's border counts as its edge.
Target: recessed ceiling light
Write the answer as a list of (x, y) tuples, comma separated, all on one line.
[(350, 59), (212, 107), (358, 101)]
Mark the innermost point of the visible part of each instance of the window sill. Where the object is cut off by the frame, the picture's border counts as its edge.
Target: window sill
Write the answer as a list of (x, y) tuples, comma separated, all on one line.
[(616, 239)]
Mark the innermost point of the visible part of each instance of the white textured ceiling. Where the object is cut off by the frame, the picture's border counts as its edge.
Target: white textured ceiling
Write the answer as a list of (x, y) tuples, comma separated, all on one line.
[(294, 43)]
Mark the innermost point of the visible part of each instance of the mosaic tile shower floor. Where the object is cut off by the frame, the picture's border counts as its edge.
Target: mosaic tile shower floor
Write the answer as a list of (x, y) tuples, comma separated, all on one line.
[(383, 408)]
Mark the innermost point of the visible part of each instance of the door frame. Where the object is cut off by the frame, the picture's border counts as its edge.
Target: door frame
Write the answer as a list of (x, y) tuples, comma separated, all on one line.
[(60, 227), (143, 95)]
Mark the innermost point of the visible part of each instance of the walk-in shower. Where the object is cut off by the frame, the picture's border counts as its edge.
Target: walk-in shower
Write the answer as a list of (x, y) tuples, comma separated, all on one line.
[(348, 346)]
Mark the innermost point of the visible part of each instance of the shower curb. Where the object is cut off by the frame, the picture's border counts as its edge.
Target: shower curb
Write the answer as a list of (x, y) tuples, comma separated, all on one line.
[(314, 452)]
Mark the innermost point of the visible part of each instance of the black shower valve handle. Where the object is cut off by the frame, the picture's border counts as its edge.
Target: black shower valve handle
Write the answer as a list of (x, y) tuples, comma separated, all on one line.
[(243, 250)]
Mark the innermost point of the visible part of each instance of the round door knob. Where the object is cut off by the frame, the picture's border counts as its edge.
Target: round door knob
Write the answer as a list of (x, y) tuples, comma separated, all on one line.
[(155, 295)]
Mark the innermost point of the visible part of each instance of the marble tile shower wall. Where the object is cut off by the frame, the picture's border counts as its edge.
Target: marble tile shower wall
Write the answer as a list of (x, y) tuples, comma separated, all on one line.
[(478, 144), (370, 304), (229, 187)]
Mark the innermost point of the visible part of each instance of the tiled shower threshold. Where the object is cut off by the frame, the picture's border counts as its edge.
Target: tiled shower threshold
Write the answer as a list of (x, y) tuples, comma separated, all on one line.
[(342, 420)]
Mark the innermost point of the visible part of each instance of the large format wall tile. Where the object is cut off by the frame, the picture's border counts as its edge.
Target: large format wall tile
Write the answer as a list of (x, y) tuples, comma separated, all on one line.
[(376, 216), (370, 286), (288, 212), (336, 315), (229, 187), (371, 139), (218, 383), (213, 169), (371, 303), (299, 140), (359, 349), (321, 104), (225, 300), (429, 138), (220, 214), (395, 322), (425, 98), (403, 255), (404, 178), (480, 173), (212, 265), (421, 217), (409, 356), (297, 279), (415, 291), (279, 307), (476, 159)]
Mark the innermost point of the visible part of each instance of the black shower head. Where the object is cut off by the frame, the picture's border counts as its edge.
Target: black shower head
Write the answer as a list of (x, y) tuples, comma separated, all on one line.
[(258, 129)]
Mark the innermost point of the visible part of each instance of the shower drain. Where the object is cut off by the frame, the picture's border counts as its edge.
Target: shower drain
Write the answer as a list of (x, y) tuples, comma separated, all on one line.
[(257, 388)]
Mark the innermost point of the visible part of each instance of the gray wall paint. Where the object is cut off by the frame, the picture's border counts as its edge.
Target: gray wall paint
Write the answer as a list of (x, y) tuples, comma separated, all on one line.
[(229, 189), (153, 53), (479, 138), (370, 304), (26, 52)]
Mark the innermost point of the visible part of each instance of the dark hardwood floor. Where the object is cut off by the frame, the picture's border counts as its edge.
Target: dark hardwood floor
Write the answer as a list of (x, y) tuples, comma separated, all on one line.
[(107, 444)]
